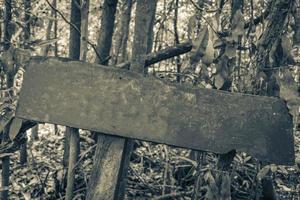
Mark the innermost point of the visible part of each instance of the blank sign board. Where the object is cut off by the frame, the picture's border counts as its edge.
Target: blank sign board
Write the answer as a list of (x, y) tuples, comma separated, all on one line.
[(126, 104)]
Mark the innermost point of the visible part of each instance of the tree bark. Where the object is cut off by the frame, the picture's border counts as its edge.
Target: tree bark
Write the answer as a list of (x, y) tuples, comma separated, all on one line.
[(74, 46), (73, 157), (7, 24), (111, 160), (27, 8), (296, 27), (143, 18), (176, 40), (161, 55), (7, 43), (106, 31), (49, 28), (274, 29), (122, 34), (74, 140), (84, 29)]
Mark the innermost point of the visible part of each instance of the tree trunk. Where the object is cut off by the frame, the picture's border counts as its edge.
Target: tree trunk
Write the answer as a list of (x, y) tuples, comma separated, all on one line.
[(106, 31), (49, 28), (27, 8), (142, 33), (84, 29), (111, 160), (7, 24), (73, 157), (150, 34), (23, 152), (274, 29), (296, 27), (55, 29), (104, 183), (176, 40), (122, 34), (6, 40), (74, 140)]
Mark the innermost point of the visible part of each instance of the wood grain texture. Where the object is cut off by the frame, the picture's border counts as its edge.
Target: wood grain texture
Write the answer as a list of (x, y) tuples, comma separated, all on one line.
[(124, 103)]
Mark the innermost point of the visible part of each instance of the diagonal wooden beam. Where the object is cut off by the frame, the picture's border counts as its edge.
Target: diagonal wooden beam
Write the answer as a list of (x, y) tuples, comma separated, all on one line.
[(123, 103)]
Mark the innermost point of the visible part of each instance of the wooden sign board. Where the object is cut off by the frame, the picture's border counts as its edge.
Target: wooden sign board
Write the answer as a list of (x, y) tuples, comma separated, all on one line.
[(123, 103)]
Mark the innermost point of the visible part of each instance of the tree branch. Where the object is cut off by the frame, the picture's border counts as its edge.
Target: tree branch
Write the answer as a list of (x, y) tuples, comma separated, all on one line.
[(161, 55)]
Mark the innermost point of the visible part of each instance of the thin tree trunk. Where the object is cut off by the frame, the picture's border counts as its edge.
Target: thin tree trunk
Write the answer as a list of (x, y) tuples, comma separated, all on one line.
[(6, 159), (27, 8), (273, 32), (176, 40), (106, 31), (84, 28), (296, 27), (49, 28), (150, 34), (122, 34), (73, 157), (23, 152), (7, 25), (74, 140), (143, 21), (55, 29)]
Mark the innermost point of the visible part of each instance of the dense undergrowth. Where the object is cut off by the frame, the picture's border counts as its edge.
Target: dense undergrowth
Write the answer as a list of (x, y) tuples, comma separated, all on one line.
[(156, 171)]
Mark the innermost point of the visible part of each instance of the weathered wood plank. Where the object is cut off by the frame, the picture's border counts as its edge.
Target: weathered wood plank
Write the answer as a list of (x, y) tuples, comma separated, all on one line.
[(124, 103)]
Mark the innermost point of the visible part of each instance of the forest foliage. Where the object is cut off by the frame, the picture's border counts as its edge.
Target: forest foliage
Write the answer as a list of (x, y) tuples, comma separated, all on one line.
[(245, 46)]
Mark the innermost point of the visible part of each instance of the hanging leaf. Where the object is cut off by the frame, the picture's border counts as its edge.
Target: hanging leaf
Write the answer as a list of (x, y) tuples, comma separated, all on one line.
[(230, 50), (237, 26), (219, 81), (199, 46), (209, 56), (15, 127), (222, 63), (263, 172), (273, 168), (5, 119), (218, 43), (191, 27), (287, 48)]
